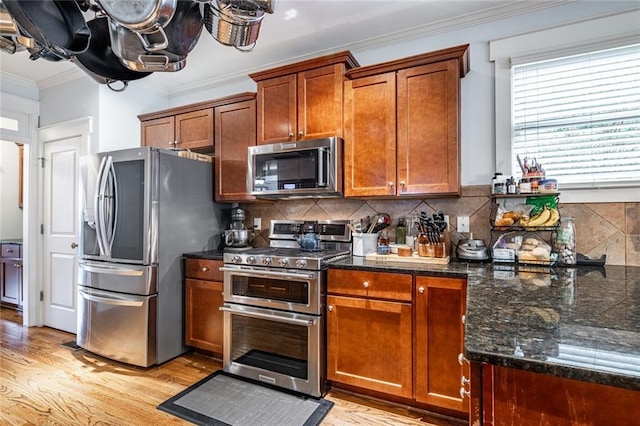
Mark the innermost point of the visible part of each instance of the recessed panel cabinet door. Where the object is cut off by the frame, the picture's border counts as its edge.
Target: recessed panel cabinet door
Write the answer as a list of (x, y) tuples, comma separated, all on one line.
[(277, 110), (194, 130), (320, 102), (428, 129), (159, 133), (369, 344), (235, 133), (203, 319), (439, 339), (370, 136)]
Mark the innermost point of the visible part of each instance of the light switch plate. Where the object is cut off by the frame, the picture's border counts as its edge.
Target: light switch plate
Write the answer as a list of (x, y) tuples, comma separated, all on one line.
[(257, 223), (463, 224)]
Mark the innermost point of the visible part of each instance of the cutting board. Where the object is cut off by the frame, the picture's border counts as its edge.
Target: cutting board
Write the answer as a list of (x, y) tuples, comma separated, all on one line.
[(394, 258)]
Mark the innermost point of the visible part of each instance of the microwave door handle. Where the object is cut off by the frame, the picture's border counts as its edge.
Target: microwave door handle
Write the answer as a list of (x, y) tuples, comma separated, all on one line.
[(321, 162), (97, 203)]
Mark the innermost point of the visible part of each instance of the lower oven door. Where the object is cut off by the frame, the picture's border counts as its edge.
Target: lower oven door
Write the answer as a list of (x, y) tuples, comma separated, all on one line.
[(280, 348), (273, 288)]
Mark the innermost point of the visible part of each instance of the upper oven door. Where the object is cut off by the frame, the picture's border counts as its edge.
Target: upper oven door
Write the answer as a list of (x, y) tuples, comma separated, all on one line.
[(301, 168), (117, 212), (297, 291)]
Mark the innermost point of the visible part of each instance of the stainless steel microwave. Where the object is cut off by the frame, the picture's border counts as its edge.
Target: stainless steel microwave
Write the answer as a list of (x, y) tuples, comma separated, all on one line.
[(308, 168)]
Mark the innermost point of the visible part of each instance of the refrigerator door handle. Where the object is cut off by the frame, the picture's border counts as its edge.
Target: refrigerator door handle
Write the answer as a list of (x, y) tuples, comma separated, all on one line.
[(102, 200), (111, 300), (113, 206), (97, 203), (111, 270)]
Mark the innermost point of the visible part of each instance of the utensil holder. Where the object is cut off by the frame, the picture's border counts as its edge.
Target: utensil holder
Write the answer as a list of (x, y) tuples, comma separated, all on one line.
[(364, 243)]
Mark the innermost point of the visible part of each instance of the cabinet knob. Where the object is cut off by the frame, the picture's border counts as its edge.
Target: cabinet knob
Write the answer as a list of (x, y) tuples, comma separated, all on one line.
[(464, 393), (74, 245), (205, 269), (464, 381), (366, 284), (402, 183), (390, 183), (420, 290), (330, 308), (464, 319), (17, 265), (290, 134), (462, 359), (300, 134)]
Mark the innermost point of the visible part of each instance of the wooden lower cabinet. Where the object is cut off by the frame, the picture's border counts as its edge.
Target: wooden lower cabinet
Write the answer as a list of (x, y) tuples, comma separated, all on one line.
[(440, 304), (204, 322), (519, 397), (398, 334), (369, 344)]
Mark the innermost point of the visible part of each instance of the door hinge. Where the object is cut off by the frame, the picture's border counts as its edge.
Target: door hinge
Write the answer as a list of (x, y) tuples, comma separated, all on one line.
[(41, 162), (42, 229), (41, 295)]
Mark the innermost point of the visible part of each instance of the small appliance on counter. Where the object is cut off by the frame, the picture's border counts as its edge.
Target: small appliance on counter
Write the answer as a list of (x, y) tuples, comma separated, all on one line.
[(237, 236), (472, 249)]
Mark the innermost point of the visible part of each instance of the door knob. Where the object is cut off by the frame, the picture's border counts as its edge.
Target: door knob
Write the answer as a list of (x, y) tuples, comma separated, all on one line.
[(74, 245)]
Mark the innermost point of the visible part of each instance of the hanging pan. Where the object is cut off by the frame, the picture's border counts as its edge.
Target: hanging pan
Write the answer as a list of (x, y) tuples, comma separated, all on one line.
[(57, 26), (182, 35), (99, 61)]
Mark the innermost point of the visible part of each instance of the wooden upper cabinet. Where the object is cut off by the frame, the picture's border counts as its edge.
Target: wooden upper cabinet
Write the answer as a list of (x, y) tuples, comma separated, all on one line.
[(302, 100), (402, 126), (235, 132), (158, 133), (440, 304), (194, 130)]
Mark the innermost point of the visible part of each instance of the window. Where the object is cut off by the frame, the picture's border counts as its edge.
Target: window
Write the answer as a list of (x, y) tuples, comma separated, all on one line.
[(579, 116)]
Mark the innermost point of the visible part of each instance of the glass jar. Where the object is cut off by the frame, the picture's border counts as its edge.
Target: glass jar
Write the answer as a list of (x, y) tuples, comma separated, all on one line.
[(565, 241)]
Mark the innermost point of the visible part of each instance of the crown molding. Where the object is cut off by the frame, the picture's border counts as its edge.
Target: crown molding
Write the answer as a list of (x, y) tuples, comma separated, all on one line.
[(12, 83)]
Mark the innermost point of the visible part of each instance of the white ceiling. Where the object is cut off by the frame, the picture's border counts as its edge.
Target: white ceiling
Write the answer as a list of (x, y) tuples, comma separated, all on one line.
[(298, 29)]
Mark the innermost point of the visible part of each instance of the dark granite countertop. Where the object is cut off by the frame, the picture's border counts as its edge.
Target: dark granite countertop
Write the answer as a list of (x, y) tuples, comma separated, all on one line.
[(209, 255), (580, 323)]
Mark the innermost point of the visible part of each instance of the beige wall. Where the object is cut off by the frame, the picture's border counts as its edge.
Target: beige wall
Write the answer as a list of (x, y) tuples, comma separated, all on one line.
[(601, 228)]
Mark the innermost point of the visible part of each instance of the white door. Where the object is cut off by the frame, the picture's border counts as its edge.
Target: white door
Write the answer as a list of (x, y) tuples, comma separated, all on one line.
[(62, 146)]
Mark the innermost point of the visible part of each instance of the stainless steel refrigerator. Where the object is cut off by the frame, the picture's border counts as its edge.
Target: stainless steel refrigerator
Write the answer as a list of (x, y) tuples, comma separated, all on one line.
[(142, 209)]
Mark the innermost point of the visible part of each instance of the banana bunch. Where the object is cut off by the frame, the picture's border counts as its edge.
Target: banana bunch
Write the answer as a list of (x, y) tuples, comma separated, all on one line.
[(547, 217)]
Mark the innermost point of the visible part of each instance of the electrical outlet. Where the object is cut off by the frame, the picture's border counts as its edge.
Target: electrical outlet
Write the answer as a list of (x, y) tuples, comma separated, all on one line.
[(446, 220), (257, 223), (463, 224)]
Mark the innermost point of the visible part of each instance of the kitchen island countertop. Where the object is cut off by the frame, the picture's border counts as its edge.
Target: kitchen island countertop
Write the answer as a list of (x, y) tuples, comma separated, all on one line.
[(580, 323)]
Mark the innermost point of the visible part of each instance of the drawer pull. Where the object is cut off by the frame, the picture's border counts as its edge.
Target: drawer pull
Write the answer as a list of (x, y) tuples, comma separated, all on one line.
[(464, 393), (461, 358), (205, 269), (366, 284)]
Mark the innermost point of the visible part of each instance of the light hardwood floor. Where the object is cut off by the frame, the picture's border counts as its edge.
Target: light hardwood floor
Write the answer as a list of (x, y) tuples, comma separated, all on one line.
[(45, 383)]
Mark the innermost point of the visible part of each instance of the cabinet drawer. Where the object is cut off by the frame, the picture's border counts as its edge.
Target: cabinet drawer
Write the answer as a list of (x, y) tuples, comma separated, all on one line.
[(370, 284), (203, 269), (11, 250)]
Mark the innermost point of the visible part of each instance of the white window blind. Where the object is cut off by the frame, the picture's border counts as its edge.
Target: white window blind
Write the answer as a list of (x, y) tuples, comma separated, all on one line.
[(579, 117)]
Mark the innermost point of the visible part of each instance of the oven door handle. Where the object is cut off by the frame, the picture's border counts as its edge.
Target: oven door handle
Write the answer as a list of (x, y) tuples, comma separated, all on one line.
[(271, 316), (265, 274)]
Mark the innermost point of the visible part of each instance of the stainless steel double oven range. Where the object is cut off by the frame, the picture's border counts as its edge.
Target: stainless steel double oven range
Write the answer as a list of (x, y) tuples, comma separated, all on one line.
[(274, 322)]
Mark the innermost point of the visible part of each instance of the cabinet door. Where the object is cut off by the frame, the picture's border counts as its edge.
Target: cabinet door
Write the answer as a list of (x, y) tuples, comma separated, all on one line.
[(439, 339), (235, 132), (428, 129), (277, 109), (159, 133), (203, 318), (11, 290), (320, 102), (369, 344), (194, 130), (370, 136)]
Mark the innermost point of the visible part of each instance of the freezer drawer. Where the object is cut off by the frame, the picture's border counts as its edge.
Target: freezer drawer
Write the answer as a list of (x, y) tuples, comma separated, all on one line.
[(118, 326), (123, 278)]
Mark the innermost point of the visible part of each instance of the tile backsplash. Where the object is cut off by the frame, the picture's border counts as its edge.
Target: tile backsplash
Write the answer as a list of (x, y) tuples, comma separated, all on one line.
[(601, 228)]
